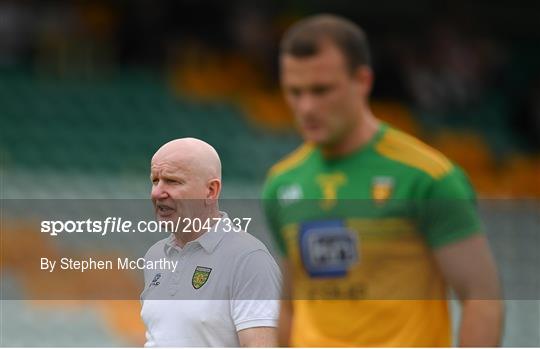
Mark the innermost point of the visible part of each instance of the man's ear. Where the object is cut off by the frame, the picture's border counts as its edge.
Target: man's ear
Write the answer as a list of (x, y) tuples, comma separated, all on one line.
[(364, 76), (214, 189)]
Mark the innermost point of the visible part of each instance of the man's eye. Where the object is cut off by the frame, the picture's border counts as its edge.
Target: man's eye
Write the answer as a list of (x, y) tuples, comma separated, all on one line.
[(155, 181), (294, 92)]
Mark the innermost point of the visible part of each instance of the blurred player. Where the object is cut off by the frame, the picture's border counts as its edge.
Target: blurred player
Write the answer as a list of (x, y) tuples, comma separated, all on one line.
[(373, 224)]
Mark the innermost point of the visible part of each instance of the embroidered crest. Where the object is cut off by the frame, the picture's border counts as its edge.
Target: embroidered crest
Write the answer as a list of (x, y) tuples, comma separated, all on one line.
[(382, 188), (200, 276)]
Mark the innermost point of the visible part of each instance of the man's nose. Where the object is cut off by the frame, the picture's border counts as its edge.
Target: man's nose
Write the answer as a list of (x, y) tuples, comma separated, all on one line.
[(159, 191), (306, 104)]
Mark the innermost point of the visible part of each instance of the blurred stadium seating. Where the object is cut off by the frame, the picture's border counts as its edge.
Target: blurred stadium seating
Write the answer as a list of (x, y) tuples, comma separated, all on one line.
[(115, 126)]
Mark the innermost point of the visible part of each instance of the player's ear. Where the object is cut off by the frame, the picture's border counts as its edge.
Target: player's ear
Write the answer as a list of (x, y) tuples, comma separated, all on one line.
[(364, 76), (214, 189)]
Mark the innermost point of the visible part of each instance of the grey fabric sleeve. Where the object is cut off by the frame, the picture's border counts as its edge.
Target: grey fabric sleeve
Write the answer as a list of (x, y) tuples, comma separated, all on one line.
[(256, 290)]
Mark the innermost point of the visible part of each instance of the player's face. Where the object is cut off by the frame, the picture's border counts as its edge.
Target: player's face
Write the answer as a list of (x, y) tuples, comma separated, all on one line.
[(177, 191), (322, 93)]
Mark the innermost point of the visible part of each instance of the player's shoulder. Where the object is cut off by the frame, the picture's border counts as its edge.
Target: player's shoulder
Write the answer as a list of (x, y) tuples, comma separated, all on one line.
[(287, 169), (294, 160), (408, 150)]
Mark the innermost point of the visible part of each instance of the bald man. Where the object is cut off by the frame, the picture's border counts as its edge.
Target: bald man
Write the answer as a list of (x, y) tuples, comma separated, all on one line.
[(225, 289)]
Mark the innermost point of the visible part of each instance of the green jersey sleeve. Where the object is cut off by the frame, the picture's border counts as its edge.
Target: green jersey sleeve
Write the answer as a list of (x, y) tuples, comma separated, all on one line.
[(271, 211), (448, 211)]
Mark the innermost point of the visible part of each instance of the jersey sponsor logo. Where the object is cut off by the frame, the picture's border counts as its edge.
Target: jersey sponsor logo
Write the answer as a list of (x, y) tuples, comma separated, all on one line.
[(382, 188), (289, 194), (155, 281), (328, 248), (200, 276), (329, 184)]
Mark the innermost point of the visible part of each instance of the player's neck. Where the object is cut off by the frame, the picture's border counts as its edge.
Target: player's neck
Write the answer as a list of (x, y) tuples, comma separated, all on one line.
[(361, 135)]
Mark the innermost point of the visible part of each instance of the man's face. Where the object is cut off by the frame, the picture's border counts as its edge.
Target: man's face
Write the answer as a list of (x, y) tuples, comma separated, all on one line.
[(322, 93), (177, 191)]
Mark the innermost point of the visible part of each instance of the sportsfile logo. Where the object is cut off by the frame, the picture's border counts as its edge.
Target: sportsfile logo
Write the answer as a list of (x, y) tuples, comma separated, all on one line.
[(110, 224)]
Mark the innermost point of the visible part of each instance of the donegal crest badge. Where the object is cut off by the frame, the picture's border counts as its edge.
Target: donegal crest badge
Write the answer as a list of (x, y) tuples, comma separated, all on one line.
[(200, 276), (382, 188)]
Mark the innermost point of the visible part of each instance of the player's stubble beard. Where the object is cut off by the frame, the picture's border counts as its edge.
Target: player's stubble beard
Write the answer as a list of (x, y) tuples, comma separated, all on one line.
[(342, 135)]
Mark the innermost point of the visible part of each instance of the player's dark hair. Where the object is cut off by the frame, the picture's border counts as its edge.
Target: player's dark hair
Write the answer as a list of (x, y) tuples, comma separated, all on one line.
[(304, 39)]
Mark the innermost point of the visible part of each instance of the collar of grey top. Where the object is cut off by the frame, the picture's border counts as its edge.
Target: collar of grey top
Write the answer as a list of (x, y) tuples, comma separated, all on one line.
[(208, 241)]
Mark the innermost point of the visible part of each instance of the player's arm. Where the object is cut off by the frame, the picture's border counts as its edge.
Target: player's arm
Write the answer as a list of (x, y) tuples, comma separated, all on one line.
[(469, 269), (258, 337), (286, 309), (453, 230)]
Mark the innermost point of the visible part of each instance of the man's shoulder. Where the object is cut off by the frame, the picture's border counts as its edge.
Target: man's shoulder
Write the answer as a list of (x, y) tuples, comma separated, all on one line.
[(241, 242), (410, 153), (244, 252)]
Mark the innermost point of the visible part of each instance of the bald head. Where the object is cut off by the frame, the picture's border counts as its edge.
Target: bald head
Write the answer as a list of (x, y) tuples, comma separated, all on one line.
[(186, 181), (192, 154)]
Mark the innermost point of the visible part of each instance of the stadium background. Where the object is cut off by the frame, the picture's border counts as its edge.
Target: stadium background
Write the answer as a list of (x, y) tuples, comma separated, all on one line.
[(90, 89)]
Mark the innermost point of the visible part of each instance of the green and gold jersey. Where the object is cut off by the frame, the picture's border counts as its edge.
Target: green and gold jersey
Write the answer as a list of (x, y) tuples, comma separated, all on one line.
[(358, 233)]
